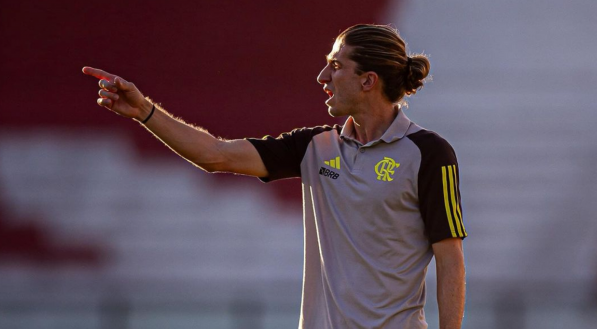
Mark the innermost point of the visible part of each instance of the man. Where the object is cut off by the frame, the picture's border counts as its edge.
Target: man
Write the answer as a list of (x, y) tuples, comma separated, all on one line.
[(381, 193)]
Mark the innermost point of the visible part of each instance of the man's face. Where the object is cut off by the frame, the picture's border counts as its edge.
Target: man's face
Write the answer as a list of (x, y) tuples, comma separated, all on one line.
[(340, 81)]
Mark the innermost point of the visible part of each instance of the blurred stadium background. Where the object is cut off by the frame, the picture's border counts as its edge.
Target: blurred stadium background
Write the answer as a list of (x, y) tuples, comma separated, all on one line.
[(102, 227)]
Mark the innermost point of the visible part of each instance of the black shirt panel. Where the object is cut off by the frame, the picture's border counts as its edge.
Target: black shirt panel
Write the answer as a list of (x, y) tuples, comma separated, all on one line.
[(283, 155), (438, 187)]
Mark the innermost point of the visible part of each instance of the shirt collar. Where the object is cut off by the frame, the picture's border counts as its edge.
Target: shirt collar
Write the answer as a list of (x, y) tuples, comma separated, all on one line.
[(396, 131)]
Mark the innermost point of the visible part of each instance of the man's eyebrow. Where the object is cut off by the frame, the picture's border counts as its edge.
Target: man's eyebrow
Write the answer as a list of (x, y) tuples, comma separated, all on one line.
[(331, 59)]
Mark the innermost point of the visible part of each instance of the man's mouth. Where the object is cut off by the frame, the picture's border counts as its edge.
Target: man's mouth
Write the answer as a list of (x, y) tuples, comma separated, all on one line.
[(329, 92)]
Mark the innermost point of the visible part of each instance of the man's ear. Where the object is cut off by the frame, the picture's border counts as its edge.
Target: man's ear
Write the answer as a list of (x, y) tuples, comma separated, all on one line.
[(369, 80)]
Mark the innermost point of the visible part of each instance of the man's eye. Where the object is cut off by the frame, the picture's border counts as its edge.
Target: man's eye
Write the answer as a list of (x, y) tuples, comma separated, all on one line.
[(335, 66)]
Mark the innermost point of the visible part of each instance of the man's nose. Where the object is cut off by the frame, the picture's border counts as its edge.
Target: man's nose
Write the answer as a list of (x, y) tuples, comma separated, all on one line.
[(324, 76)]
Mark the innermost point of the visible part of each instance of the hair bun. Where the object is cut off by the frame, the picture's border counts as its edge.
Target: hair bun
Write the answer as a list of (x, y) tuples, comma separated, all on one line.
[(417, 69)]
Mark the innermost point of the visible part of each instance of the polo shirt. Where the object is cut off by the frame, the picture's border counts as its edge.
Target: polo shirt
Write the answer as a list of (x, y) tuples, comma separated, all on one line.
[(371, 213)]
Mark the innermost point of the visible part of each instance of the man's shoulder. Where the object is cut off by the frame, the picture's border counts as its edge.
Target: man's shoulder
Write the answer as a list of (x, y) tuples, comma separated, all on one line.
[(316, 129), (300, 134), (433, 146), (425, 138), (305, 135)]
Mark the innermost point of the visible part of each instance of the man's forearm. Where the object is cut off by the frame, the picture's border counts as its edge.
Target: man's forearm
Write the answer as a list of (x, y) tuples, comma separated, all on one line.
[(192, 143), (449, 260), (451, 292)]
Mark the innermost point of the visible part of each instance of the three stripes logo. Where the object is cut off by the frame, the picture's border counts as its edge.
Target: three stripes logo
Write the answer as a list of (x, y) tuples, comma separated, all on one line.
[(452, 201), (334, 163)]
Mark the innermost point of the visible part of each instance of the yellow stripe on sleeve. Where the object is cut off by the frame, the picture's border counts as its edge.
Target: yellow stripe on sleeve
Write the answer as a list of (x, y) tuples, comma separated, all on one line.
[(446, 202), (458, 204), (453, 198)]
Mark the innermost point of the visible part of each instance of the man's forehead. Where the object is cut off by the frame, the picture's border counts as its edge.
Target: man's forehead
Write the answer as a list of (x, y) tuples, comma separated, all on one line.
[(336, 48)]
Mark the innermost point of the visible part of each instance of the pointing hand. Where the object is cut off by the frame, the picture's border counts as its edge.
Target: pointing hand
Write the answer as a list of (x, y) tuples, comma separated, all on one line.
[(119, 95)]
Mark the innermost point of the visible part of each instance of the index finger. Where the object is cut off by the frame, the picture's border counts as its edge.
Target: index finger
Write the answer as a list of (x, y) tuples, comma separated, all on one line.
[(100, 74)]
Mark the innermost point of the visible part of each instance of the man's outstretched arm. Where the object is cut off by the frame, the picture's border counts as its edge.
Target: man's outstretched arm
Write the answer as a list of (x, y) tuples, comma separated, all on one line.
[(449, 260), (194, 144)]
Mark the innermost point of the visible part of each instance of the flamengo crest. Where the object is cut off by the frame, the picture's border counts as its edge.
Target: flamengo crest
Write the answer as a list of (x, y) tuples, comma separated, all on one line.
[(385, 169)]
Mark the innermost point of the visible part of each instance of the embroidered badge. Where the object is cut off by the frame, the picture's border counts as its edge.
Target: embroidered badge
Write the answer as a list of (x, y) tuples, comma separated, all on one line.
[(385, 169)]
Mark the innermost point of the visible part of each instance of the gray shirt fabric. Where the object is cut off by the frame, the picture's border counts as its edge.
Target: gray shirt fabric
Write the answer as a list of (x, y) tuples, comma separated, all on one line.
[(371, 213)]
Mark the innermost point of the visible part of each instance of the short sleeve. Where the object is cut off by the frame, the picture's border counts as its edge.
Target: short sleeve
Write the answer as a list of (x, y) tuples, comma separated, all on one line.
[(282, 156), (438, 187)]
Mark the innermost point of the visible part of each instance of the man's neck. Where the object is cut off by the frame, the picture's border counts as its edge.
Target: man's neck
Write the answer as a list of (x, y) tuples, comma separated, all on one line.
[(373, 124)]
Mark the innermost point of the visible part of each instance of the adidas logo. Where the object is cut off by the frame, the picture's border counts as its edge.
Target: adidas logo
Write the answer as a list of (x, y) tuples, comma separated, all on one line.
[(334, 163)]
